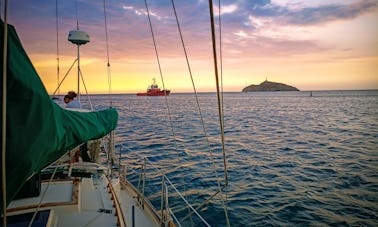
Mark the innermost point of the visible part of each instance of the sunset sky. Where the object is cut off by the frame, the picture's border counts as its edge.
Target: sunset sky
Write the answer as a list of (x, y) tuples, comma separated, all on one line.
[(312, 45)]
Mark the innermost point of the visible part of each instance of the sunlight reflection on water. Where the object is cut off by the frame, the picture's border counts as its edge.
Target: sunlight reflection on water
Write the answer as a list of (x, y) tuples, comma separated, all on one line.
[(292, 159)]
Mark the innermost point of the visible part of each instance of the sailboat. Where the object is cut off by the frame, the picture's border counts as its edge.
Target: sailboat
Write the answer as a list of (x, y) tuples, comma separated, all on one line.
[(46, 184), (58, 165)]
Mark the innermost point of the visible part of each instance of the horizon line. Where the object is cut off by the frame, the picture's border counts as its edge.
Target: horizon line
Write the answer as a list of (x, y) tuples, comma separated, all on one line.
[(372, 89)]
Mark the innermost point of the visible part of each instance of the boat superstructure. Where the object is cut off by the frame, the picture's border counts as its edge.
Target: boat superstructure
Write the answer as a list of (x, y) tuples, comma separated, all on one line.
[(154, 90)]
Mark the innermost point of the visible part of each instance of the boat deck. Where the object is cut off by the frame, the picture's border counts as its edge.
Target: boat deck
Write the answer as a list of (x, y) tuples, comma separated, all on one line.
[(82, 201)]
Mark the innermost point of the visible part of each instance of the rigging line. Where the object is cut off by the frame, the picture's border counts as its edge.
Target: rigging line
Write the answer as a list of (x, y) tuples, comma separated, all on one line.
[(78, 73), (60, 83), (221, 69), (57, 42), (107, 55), (222, 92), (221, 57), (204, 203), (191, 207), (220, 105), (196, 95), (42, 197), (4, 115), (217, 85), (86, 91), (162, 80), (202, 120)]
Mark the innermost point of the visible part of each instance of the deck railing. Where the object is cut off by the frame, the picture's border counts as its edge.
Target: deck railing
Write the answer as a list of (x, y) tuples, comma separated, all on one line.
[(138, 178)]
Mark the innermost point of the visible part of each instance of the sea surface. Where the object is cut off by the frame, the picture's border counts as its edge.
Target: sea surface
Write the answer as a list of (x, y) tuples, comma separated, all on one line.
[(292, 159)]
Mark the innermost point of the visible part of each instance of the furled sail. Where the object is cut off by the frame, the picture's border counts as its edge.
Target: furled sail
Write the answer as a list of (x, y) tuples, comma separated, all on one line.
[(38, 130)]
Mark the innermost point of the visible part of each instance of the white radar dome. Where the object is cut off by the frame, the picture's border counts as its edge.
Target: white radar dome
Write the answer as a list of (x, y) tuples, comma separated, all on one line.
[(78, 37)]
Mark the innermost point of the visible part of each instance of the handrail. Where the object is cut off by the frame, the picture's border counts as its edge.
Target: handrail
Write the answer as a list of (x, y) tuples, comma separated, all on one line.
[(182, 197), (166, 183), (175, 218), (163, 191), (118, 210)]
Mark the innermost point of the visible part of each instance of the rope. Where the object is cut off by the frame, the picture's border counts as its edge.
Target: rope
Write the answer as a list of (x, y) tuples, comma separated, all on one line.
[(60, 83), (107, 55), (221, 56), (161, 172), (43, 195), (201, 116), (196, 96), (219, 102), (162, 80), (221, 72), (108, 69), (78, 54), (153, 39), (4, 115), (78, 72), (86, 91), (218, 90), (197, 100), (57, 42)]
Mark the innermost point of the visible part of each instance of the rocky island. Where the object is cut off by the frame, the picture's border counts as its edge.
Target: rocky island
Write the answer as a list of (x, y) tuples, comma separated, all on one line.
[(269, 86)]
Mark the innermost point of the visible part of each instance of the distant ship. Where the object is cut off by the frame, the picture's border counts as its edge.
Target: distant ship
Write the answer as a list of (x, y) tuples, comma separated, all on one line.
[(154, 90)]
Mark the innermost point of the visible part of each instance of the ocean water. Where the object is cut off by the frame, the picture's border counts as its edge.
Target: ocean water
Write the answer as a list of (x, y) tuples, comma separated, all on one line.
[(292, 159)]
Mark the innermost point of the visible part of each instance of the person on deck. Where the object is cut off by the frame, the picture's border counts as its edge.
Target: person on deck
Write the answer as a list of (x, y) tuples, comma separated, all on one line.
[(72, 103), (67, 99)]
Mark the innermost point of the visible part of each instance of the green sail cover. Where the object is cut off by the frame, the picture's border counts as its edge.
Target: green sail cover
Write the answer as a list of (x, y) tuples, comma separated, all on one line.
[(38, 130)]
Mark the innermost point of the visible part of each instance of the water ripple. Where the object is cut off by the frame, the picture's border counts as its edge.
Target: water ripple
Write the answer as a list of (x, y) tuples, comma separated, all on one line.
[(292, 159)]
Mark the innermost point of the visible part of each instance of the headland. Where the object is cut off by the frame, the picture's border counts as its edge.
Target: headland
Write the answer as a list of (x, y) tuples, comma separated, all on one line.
[(269, 86)]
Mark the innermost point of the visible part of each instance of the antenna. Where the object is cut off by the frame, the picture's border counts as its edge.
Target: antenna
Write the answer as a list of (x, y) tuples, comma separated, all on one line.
[(77, 16), (78, 38)]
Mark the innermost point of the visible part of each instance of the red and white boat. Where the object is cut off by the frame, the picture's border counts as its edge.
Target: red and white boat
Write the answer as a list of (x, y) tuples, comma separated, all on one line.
[(154, 90)]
